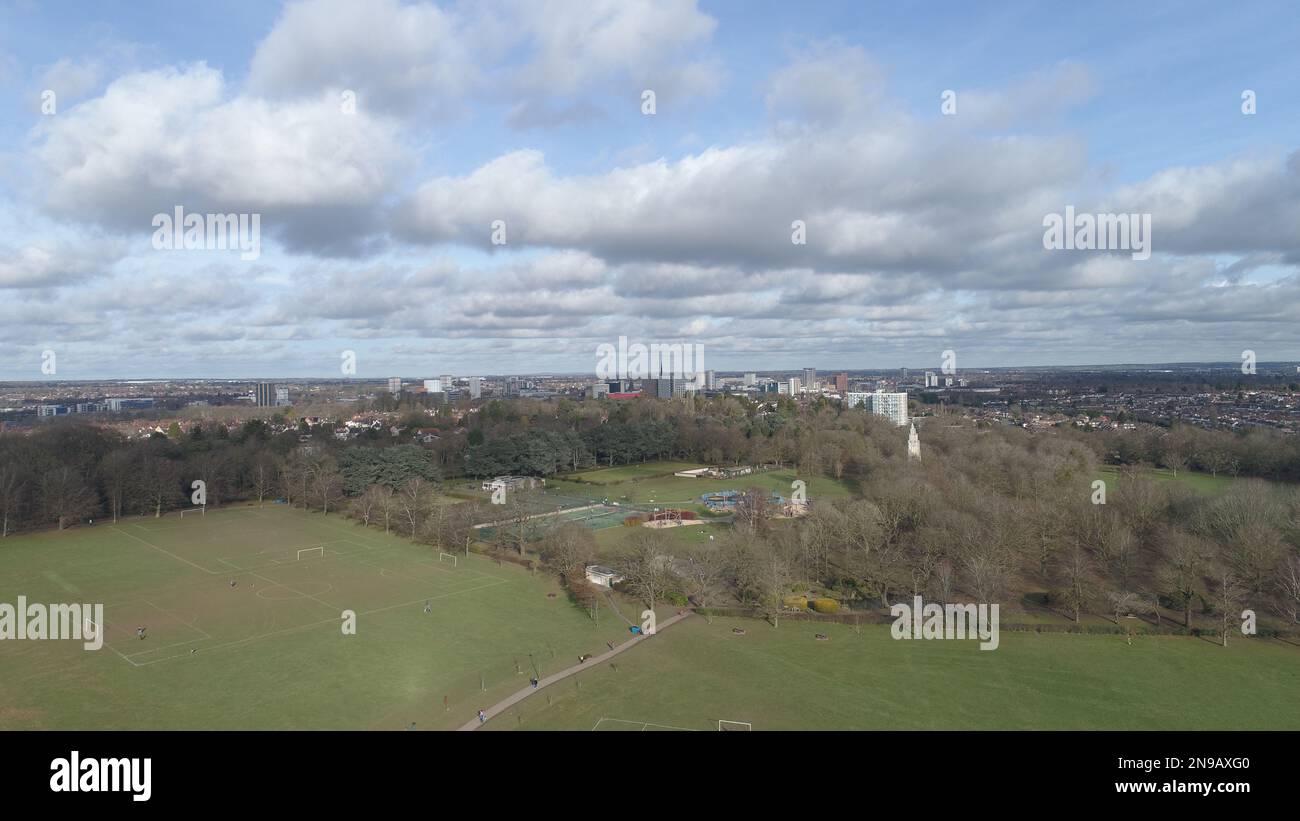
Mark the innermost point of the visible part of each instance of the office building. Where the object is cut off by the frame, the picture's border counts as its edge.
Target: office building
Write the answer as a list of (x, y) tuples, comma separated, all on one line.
[(433, 386), (282, 397), (842, 383), (395, 385), (893, 406), (663, 388), (711, 380), (931, 379), (809, 378), (475, 387), (792, 386), (750, 378), (263, 395)]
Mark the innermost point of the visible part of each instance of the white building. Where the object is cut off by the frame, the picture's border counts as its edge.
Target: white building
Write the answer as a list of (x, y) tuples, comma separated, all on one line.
[(602, 576), (433, 385), (749, 377), (890, 405), (913, 446), (394, 385), (794, 386), (931, 379), (475, 387)]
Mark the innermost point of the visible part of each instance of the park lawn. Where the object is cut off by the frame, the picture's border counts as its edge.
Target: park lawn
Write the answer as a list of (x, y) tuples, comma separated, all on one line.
[(1202, 482), (610, 540), (694, 673), (623, 473), (686, 492), (270, 651)]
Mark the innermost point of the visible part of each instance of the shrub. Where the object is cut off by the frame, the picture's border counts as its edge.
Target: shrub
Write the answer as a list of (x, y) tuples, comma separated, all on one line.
[(633, 521), (800, 602), (825, 605)]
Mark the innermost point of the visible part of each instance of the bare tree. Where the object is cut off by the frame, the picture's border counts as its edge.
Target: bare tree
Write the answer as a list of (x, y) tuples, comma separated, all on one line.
[(262, 475), (1184, 559), (646, 566), (705, 577), (11, 495), (158, 484), (1076, 570), (1228, 598), (1122, 602), (117, 469), (65, 496), (569, 548), (413, 499), (1288, 586)]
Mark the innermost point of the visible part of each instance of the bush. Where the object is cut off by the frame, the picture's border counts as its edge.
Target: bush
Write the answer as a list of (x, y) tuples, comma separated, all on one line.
[(676, 599), (633, 521), (825, 605), (800, 602)]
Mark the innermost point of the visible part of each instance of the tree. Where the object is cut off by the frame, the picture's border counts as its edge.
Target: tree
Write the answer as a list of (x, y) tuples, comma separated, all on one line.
[(413, 500), (770, 576), (1228, 599), (11, 496), (387, 504), (647, 569), (1288, 587), (118, 472), (568, 549), (326, 484), (753, 509), (1184, 559), (705, 577), (158, 484), (1122, 602), (1076, 569), (262, 475), (65, 497)]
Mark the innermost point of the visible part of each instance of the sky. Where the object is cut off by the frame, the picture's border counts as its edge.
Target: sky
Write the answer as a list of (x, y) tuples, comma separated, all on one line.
[(503, 186)]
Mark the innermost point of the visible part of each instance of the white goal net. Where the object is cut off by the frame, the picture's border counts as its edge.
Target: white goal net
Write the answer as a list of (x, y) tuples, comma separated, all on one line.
[(310, 551), (447, 557), (725, 726)]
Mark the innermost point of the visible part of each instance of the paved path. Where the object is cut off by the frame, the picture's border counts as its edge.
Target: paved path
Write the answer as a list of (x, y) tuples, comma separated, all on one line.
[(555, 678)]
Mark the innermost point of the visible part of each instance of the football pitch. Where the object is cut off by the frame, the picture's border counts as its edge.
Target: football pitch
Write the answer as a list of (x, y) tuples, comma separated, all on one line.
[(695, 675), (243, 611)]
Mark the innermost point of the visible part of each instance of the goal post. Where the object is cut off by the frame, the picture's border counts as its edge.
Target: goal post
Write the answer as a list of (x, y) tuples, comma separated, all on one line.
[(321, 548), (199, 510), (725, 726), (442, 557)]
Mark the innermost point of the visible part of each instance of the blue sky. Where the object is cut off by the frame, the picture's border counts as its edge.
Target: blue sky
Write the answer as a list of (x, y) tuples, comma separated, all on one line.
[(923, 229)]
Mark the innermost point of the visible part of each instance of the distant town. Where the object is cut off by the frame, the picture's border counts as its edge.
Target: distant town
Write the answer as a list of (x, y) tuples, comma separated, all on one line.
[(1214, 396)]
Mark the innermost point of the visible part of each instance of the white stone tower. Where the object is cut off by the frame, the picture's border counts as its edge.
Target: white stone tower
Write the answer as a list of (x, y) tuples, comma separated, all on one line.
[(913, 446)]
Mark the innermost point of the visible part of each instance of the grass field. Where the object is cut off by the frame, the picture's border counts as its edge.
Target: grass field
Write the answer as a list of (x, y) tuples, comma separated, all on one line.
[(695, 673), (1202, 482), (270, 652), (660, 490), (623, 473)]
